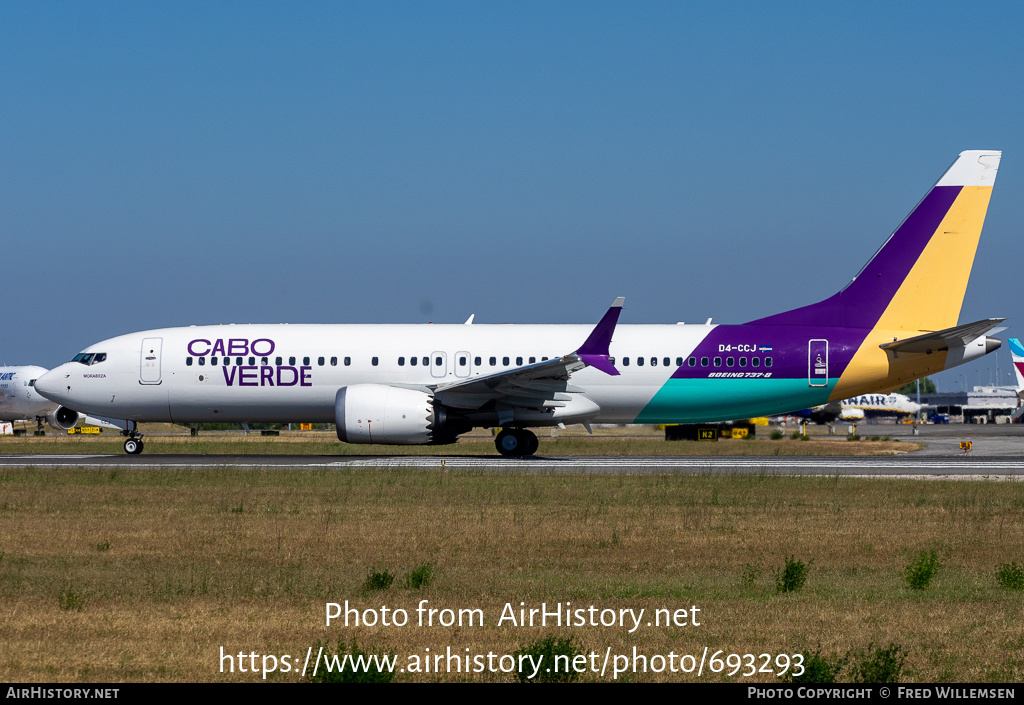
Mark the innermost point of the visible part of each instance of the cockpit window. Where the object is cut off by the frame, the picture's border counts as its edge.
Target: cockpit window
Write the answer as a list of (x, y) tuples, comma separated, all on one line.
[(89, 358)]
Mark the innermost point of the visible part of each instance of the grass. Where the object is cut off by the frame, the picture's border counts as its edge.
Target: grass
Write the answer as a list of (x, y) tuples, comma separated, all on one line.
[(619, 441), (185, 575)]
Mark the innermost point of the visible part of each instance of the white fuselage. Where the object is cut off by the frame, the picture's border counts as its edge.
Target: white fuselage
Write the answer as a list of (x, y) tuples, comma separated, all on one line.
[(18, 396), (291, 373)]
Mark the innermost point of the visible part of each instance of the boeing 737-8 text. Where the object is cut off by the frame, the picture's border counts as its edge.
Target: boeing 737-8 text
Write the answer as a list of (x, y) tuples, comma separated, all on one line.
[(416, 384)]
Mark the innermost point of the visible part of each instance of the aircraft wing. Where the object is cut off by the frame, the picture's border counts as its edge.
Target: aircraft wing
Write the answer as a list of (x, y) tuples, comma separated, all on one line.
[(542, 385), (956, 337)]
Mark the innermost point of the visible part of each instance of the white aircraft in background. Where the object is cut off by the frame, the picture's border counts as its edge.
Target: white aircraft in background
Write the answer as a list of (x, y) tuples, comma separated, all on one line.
[(1017, 354), (418, 384), (19, 401), (861, 407)]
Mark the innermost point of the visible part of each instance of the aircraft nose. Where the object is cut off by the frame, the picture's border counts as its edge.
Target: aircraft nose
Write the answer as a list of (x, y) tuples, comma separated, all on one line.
[(52, 384)]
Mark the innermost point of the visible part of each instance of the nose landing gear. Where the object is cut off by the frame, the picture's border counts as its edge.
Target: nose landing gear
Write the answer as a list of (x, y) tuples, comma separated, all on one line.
[(134, 444)]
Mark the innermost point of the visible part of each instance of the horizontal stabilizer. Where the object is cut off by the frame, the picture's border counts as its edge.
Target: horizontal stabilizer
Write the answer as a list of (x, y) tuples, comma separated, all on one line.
[(956, 337)]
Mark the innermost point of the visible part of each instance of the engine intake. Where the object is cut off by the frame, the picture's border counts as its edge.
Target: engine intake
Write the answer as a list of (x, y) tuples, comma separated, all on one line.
[(63, 418)]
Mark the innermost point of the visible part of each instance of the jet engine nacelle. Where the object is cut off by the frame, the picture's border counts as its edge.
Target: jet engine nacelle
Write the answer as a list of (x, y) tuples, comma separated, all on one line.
[(378, 413), (851, 414), (62, 418)]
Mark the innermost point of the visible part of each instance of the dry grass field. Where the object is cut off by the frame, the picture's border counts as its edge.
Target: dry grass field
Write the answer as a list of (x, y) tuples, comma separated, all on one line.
[(144, 575), (629, 441)]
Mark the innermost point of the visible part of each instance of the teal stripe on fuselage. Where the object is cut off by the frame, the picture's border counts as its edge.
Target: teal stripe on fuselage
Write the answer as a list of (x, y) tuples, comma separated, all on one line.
[(695, 400)]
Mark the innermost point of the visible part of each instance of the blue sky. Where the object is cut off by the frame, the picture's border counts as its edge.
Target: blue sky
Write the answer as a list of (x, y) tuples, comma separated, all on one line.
[(173, 163)]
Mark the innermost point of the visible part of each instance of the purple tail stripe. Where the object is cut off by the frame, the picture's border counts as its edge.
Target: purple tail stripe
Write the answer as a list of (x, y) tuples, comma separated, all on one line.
[(863, 301)]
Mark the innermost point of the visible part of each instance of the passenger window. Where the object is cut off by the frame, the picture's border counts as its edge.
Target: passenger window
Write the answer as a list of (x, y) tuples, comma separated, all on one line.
[(252, 360), (668, 362), (533, 360), (202, 361), (238, 361), (755, 362), (305, 361), (743, 362), (477, 361), (412, 361), (348, 361), (401, 362), (374, 361), (334, 362), (462, 361), (639, 362), (730, 361), (543, 359), (438, 361), (188, 362), (213, 361), (718, 362), (703, 362), (494, 361), (625, 362), (654, 362), (767, 362), (692, 362), (263, 361), (277, 361), (291, 361), (504, 361)]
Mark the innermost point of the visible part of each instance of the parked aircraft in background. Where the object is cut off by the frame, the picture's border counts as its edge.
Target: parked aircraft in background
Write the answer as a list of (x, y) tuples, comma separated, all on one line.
[(19, 400), (1017, 353), (418, 384), (861, 407)]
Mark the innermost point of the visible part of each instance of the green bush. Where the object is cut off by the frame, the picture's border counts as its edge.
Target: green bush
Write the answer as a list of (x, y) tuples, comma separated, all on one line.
[(1011, 575), (355, 666), (777, 435), (817, 669), (377, 581), (71, 601), (554, 656), (877, 665), (921, 570), (792, 576), (419, 578)]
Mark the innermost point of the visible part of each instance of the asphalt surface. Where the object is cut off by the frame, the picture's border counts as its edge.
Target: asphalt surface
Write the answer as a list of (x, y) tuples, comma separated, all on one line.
[(997, 453)]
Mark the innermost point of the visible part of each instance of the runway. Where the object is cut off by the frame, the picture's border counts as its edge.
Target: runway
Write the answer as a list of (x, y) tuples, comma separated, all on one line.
[(902, 466)]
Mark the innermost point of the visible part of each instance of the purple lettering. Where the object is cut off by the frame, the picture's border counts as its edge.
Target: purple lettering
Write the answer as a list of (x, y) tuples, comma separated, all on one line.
[(305, 372), (198, 354), (229, 377), (266, 376), (238, 346), (295, 376), (218, 347), (268, 351), (247, 373)]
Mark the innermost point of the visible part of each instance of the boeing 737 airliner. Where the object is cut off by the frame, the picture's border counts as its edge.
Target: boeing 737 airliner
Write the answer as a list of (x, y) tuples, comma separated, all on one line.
[(419, 384)]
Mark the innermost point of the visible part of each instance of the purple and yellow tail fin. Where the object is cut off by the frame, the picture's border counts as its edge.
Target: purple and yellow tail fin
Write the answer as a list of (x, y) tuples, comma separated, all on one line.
[(917, 280)]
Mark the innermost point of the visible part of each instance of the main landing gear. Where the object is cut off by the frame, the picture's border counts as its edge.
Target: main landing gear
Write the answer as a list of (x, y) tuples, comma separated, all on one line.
[(134, 444), (516, 441)]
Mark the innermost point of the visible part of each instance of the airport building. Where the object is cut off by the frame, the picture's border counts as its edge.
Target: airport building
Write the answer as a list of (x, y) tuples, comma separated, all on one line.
[(983, 404)]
